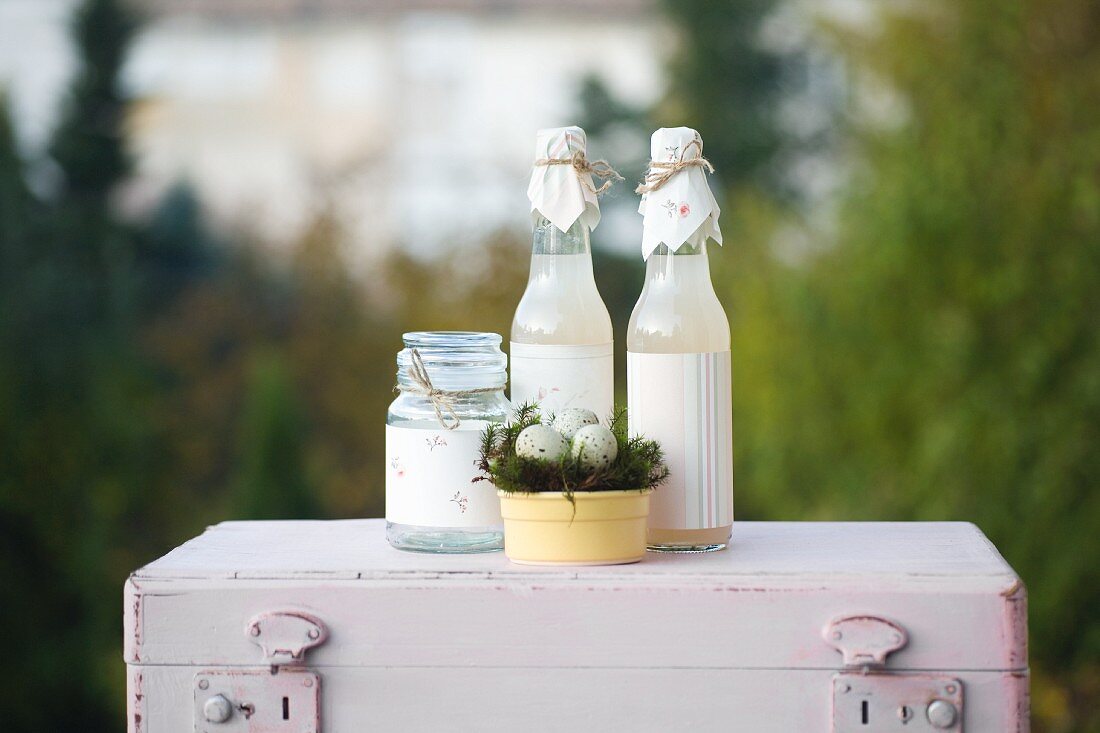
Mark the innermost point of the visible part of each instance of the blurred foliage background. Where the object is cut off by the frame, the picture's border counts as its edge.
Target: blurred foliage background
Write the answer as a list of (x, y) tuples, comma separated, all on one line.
[(928, 350)]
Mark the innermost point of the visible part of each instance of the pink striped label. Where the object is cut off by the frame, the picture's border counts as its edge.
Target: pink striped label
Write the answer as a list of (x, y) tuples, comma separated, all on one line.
[(683, 401)]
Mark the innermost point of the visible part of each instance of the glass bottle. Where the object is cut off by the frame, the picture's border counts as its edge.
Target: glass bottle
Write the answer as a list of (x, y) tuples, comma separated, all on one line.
[(432, 505), (678, 356), (562, 343)]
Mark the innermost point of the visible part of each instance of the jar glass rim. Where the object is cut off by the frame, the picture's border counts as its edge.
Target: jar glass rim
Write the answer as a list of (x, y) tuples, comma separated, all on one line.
[(455, 359), (450, 339)]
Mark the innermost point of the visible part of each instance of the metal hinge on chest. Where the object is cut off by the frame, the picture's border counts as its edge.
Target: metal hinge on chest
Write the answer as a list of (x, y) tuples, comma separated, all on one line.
[(281, 696), (867, 697)]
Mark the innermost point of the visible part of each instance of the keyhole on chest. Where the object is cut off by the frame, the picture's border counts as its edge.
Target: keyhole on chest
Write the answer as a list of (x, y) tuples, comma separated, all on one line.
[(864, 713), (286, 709)]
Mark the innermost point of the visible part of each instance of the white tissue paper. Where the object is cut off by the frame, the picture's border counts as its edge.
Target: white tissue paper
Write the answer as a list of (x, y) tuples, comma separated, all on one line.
[(557, 192), (683, 209)]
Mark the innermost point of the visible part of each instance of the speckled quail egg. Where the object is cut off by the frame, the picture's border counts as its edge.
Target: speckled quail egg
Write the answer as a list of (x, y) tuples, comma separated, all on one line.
[(570, 420), (595, 447), (540, 441)]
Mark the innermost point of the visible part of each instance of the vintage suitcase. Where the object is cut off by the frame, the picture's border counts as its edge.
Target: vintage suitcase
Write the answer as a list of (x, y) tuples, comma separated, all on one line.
[(321, 626)]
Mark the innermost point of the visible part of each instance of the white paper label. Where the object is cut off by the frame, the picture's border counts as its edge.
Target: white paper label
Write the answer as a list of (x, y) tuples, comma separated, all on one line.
[(429, 476), (557, 377), (684, 402)]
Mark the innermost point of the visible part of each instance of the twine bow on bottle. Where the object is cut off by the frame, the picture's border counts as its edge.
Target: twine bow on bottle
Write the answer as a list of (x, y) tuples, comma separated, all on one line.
[(660, 172), (443, 400), (599, 168)]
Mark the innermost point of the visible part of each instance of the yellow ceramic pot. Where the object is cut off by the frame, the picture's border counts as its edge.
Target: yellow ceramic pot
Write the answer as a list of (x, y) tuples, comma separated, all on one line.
[(608, 527)]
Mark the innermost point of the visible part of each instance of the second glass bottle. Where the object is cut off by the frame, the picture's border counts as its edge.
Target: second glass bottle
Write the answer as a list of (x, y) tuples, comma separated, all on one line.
[(678, 351)]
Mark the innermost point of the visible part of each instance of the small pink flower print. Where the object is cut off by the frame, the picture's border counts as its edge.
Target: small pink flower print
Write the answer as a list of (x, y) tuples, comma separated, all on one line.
[(684, 209), (461, 500), (395, 464), (434, 442), (543, 391)]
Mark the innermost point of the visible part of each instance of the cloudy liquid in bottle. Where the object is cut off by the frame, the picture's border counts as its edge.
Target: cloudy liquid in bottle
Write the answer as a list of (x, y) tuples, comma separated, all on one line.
[(678, 345), (562, 343)]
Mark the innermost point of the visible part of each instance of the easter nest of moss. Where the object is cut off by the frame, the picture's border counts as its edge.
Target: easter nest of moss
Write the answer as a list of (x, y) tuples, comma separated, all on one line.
[(586, 461)]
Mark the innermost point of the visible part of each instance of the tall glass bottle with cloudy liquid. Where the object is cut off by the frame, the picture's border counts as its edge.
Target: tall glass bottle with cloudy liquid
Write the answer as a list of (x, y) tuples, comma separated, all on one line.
[(678, 352), (562, 344)]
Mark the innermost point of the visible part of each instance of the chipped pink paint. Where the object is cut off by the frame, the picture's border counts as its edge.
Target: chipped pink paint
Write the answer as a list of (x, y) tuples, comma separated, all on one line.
[(135, 700), (1015, 622), (132, 620), (1017, 697)]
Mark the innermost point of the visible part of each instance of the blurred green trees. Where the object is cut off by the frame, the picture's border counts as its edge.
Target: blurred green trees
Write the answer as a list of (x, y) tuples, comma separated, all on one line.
[(75, 446), (272, 481), (726, 85)]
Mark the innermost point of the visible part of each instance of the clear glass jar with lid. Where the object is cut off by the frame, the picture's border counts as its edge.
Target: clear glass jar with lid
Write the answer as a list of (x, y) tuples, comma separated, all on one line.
[(451, 385)]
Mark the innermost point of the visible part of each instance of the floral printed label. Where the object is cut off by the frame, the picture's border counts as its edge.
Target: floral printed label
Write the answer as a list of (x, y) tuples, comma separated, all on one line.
[(682, 209), (683, 401), (429, 476), (557, 377)]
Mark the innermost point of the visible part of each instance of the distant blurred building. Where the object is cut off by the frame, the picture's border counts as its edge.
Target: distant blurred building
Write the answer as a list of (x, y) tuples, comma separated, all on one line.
[(36, 61), (414, 120)]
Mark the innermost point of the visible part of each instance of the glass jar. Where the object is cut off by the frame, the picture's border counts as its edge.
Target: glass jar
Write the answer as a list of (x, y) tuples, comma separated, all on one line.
[(433, 441)]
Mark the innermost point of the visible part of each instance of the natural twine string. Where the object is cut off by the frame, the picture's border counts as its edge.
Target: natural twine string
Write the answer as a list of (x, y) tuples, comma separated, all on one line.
[(654, 180), (442, 399), (599, 168)]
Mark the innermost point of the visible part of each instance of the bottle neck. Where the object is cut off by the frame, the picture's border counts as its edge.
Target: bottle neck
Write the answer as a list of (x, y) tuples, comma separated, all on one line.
[(561, 304), (547, 239), (678, 311), (688, 266), (562, 260)]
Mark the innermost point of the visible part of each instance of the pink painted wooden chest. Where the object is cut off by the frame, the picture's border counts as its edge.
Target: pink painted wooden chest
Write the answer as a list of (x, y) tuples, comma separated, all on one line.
[(321, 626)]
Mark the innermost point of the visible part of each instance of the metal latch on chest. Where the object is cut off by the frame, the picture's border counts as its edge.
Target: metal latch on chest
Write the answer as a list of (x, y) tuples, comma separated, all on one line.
[(281, 696), (867, 697)]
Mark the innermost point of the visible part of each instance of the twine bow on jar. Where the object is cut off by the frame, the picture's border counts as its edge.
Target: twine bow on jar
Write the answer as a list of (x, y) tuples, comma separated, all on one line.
[(660, 172), (599, 168), (443, 400)]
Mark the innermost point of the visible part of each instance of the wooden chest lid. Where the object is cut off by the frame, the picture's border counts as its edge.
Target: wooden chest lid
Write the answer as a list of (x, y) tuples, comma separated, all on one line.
[(762, 603)]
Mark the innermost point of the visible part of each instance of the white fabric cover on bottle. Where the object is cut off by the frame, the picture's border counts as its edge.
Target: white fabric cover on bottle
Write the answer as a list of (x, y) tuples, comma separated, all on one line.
[(556, 191), (683, 209)]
